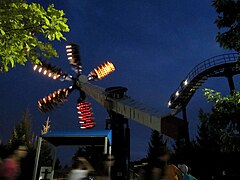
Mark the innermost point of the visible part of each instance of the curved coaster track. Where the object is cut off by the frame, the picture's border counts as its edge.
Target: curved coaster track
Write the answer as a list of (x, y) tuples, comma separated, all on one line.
[(222, 65)]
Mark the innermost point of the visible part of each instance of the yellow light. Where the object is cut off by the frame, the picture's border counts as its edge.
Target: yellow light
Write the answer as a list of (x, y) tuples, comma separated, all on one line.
[(40, 69), (69, 54), (39, 104), (54, 77), (50, 74), (169, 103), (45, 72), (177, 93), (70, 58), (69, 50), (35, 67), (68, 46), (44, 100), (186, 82), (104, 69)]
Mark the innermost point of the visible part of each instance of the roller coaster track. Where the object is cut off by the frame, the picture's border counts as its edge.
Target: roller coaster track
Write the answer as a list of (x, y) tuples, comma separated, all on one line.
[(221, 65)]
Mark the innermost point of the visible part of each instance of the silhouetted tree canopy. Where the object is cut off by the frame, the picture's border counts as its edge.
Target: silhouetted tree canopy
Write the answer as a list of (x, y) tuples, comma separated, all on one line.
[(228, 22)]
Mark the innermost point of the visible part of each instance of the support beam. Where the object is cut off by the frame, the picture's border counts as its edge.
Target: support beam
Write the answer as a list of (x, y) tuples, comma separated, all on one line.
[(39, 144)]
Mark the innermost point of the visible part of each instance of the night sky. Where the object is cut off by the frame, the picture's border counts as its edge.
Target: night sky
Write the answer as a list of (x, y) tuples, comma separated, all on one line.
[(153, 45)]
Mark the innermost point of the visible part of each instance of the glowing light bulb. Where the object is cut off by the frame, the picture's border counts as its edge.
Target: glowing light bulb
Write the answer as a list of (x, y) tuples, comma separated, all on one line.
[(50, 74), (103, 70), (40, 69), (35, 67), (177, 93), (186, 82), (169, 103), (39, 104), (68, 46), (45, 72), (44, 100)]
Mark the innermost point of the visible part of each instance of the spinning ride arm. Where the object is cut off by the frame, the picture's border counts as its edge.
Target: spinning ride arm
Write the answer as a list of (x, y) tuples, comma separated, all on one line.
[(134, 110)]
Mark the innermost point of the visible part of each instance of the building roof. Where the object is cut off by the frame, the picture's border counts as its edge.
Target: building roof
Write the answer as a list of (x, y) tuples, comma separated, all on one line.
[(79, 137)]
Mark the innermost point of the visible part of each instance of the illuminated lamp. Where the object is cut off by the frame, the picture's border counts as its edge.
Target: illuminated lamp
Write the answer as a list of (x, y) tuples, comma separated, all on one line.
[(35, 67), (73, 54), (48, 69), (45, 72), (102, 70), (40, 69), (86, 119), (177, 93), (54, 99), (185, 82), (169, 103)]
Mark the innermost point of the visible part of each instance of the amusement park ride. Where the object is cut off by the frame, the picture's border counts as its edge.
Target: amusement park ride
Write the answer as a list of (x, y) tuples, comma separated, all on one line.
[(225, 65), (121, 107)]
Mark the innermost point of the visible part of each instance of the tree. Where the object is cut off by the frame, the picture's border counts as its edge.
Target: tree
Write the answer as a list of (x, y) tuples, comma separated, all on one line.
[(156, 146), (22, 133), (26, 32), (228, 21), (224, 120), (208, 155), (218, 137)]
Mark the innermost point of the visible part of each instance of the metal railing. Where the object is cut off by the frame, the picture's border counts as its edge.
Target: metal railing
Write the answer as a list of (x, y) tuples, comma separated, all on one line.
[(202, 67)]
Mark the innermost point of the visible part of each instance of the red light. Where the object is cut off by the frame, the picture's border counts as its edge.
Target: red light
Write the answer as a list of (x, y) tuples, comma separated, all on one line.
[(86, 119)]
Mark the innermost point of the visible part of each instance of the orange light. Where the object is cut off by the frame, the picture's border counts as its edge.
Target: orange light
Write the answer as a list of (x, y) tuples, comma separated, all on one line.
[(103, 70), (44, 100), (48, 69), (39, 104)]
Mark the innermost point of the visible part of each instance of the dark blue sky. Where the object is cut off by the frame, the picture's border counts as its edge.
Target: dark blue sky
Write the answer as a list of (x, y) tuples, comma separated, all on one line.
[(153, 44)]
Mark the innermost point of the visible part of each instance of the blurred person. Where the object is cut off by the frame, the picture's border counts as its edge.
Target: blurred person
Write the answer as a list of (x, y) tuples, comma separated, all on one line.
[(10, 167), (162, 170), (80, 169), (184, 169), (108, 165), (173, 173), (160, 165)]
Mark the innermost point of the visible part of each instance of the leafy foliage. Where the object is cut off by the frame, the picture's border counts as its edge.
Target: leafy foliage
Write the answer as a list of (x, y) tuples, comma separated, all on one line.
[(228, 21), (26, 32), (212, 156), (224, 121)]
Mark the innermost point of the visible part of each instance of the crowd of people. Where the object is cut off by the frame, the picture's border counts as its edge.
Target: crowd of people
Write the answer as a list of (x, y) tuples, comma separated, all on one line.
[(161, 169)]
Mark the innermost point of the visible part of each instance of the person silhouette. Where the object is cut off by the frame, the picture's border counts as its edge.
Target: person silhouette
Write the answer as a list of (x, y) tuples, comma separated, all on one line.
[(10, 168), (80, 169)]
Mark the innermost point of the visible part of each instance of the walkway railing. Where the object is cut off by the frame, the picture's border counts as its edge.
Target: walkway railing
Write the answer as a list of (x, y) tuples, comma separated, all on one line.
[(197, 76)]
